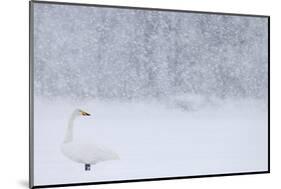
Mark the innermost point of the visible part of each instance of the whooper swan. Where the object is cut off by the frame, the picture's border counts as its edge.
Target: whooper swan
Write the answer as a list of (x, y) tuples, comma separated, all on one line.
[(86, 153)]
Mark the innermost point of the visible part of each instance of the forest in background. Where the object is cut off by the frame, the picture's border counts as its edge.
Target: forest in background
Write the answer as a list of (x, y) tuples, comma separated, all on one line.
[(109, 53)]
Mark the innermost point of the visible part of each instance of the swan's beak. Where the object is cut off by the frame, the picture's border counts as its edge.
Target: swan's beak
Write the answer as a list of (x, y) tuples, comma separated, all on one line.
[(85, 113)]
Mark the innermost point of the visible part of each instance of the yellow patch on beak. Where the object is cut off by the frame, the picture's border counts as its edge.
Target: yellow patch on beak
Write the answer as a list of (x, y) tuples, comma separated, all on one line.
[(84, 113)]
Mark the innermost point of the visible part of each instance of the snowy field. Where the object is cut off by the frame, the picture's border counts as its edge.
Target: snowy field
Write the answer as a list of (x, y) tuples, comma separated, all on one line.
[(152, 139)]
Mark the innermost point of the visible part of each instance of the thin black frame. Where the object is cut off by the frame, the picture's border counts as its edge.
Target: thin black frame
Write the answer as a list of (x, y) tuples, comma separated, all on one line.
[(31, 92)]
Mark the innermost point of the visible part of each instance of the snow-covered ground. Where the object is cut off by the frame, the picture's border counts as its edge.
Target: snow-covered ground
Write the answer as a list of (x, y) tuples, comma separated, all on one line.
[(152, 139)]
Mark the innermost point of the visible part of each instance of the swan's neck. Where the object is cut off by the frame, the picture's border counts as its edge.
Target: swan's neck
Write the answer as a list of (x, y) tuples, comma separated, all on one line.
[(69, 132)]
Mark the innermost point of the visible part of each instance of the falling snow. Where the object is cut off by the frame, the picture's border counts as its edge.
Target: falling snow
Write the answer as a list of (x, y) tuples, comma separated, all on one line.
[(173, 93)]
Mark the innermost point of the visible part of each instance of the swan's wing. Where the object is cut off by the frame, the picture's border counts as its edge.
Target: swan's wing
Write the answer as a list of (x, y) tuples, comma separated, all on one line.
[(87, 152), (106, 153)]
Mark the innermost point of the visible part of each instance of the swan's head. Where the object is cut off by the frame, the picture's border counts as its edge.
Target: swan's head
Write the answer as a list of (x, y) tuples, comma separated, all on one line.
[(79, 112)]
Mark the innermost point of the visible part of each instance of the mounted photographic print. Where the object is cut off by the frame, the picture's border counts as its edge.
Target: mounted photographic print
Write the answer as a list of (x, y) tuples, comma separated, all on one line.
[(121, 94)]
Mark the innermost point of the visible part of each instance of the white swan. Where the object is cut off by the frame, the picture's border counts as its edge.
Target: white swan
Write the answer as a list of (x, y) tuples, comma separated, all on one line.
[(86, 153)]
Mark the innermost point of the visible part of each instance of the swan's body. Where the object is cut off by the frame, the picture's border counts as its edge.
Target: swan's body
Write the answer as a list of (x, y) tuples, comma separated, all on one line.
[(81, 152)]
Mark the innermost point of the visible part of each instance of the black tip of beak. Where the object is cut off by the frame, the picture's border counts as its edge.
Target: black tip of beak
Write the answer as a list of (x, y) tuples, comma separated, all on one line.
[(88, 114)]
